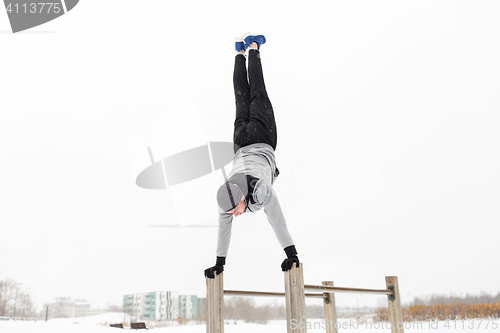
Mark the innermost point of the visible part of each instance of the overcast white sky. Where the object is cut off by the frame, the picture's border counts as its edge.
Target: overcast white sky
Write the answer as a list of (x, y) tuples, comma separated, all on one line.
[(388, 144)]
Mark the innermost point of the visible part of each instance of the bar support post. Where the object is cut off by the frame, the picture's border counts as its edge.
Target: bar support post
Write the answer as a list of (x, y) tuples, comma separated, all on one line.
[(295, 300), (395, 311), (215, 304), (330, 310)]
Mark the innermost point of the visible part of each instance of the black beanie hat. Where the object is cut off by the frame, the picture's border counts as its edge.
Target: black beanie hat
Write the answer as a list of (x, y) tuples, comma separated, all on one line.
[(232, 191), (229, 196)]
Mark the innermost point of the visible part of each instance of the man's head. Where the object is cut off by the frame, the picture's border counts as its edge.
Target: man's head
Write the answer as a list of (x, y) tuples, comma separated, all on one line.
[(240, 209), (231, 199)]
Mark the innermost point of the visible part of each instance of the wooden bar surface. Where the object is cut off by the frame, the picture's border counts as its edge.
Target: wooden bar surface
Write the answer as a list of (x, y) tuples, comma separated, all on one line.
[(266, 293), (338, 290)]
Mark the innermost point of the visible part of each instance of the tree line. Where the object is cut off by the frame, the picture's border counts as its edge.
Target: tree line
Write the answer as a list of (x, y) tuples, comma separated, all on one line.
[(482, 298), (447, 307), (441, 311), (435, 306), (13, 299), (245, 308)]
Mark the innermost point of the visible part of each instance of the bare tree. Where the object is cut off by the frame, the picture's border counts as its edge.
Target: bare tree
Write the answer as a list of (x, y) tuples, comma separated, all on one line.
[(240, 308), (7, 294), (244, 308), (26, 305)]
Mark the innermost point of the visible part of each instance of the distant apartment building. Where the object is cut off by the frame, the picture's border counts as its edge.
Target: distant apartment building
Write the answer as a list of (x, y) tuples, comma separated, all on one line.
[(66, 307), (163, 305)]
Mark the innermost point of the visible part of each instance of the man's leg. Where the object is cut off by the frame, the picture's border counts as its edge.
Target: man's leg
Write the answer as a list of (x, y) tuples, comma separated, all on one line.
[(242, 96), (262, 127)]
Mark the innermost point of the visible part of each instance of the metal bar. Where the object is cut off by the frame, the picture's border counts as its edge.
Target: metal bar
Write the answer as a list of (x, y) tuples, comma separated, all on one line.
[(265, 294), (310, 287), (252, 293), (310, 295)]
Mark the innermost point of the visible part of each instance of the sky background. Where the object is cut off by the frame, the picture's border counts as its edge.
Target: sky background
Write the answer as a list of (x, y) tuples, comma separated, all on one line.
[(388, 145)]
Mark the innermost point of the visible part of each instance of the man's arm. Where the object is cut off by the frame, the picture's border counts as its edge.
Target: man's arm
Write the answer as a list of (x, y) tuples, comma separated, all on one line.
[(224, 235), (265, 195), (223, 238)]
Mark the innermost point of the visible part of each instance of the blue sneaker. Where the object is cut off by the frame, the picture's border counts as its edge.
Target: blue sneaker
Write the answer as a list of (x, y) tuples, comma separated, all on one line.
[(239, 44), (249, 38)]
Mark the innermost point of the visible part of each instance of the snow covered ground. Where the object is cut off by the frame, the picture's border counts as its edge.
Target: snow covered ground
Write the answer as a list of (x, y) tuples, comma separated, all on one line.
[(93, 324)]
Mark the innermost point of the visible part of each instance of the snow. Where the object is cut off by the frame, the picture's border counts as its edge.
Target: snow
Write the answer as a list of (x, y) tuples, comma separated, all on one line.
[(92, 324), (108, 318)]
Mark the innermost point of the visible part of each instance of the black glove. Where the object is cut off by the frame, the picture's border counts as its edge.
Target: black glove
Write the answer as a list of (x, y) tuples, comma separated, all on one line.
[(291, 253), (219, 268)]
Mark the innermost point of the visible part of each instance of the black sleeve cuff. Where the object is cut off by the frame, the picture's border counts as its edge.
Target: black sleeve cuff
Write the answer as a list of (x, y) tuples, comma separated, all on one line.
[(290, 251), (221, 261)]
